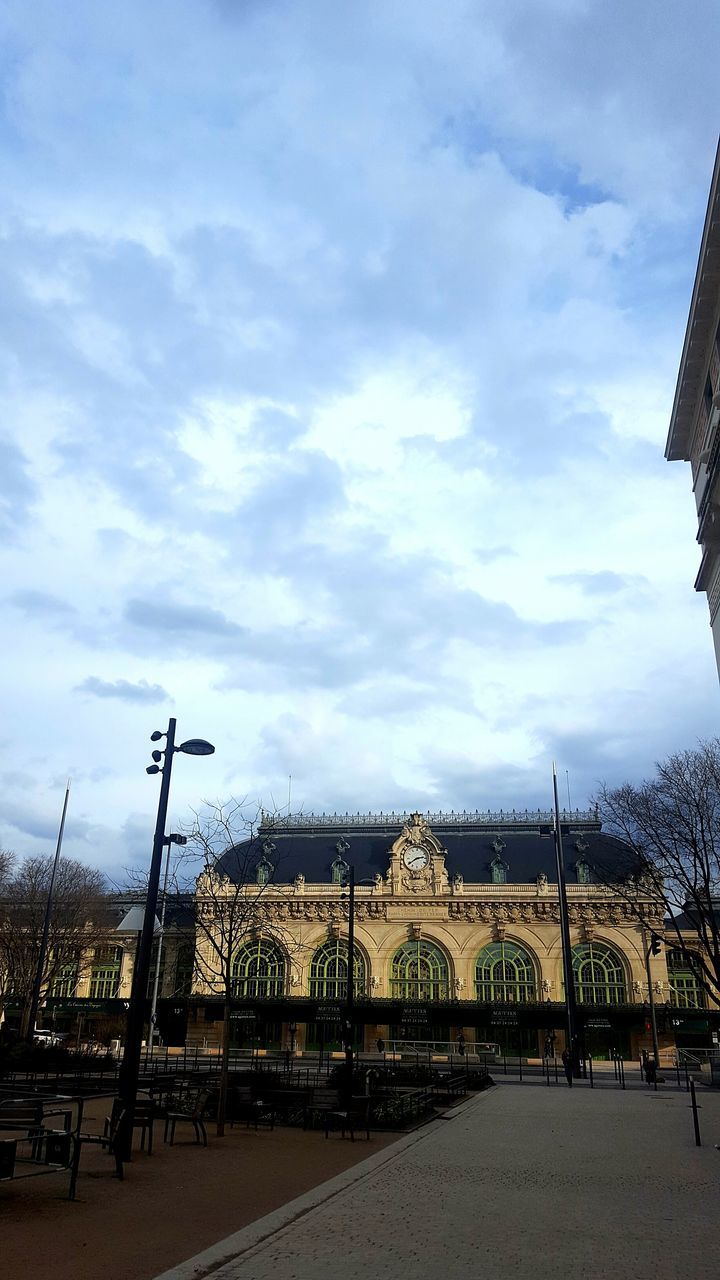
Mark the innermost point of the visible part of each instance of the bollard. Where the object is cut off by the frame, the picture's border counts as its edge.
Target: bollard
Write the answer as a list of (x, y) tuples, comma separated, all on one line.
[(677, 1070), (520, 1064), (694, 1105), (687, 1079), (622, 1072), (547, 1071), (592, 1085), (505, 1063)]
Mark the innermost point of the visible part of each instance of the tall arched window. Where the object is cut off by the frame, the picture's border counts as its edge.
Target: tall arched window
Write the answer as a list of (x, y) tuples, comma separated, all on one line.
[(184, 969), (419, 971), (504, 972), (258, 971), (329, 971), (65, 982), (498, 871), (105, 973), (686, 991), (599, 974)]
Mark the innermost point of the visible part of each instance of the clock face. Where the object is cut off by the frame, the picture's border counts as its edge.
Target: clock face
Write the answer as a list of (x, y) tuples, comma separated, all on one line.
[(415, 859)]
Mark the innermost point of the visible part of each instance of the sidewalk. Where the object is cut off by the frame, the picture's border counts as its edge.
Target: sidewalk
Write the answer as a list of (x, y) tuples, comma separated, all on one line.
[(519, 1181)]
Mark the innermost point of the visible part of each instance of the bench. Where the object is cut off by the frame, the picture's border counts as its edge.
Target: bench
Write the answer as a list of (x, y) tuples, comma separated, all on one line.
[(449, 1087)]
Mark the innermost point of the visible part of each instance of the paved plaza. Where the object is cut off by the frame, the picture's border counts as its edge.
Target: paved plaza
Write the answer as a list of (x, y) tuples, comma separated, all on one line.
[(522, 1180)]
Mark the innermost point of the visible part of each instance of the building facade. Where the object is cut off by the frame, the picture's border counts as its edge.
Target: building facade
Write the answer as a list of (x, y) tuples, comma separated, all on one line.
[(694, 434), (457, 933)]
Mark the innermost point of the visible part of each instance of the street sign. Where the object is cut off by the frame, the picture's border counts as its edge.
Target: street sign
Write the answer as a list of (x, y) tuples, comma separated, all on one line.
[(504, 1018)]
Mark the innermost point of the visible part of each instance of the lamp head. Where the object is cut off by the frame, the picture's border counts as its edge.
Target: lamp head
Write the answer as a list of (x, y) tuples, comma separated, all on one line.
[(156, 736), (153, 768), (197, 747)]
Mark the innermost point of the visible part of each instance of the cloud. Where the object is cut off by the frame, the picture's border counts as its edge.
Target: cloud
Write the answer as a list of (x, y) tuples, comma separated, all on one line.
[(124, 690), (41, 604), (603, 582), (349, 434)]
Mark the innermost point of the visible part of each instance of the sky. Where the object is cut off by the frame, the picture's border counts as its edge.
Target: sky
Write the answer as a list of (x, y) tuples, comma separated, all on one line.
[(338, 352)]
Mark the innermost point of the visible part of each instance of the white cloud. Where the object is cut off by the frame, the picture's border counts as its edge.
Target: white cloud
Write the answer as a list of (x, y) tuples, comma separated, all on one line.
[(340, 352)]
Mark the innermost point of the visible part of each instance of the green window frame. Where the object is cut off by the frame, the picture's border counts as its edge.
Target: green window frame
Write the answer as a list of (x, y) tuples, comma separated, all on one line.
[(329, 971), (258, 971), (498, 871), (686, 990), (582, 872), (599, 974), (419, 971), (184, 969), (105, 973), (64, 984), (505, 973)]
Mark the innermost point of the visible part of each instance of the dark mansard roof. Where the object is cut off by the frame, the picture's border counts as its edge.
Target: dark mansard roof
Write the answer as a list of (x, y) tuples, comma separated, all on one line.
[(309, 844)]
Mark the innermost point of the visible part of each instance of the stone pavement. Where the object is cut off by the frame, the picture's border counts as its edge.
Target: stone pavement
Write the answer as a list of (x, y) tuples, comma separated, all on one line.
[(520, 1181)]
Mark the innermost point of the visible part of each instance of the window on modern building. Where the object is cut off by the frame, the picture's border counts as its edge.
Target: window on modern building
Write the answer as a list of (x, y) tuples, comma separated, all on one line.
[(339, 871), (498, 871), (504, 972), (329, 971), (599, 974), (582, 872), (184, 969), (258, 971), (64, 984), (419, 971), (105, 973), (686, 989)]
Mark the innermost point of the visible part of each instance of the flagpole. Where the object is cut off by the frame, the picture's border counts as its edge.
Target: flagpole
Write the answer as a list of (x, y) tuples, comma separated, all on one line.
[(37, 985), (570, 1006)]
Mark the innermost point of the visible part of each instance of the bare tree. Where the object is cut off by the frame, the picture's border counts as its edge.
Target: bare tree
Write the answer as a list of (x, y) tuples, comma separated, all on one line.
[(228, 873), (78, 923), (671, 827)]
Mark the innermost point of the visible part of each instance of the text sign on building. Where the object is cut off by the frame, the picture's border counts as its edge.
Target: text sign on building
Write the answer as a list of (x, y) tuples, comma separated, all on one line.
[(504, 1018), (328, 1013)]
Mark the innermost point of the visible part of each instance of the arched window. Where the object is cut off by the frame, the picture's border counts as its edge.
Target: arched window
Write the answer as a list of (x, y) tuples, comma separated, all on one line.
[(263, 871), (582, 872), (258, 971), (339, 870), (184, 969), (105, 973), (686, 991), (329, 971), (65, 982), (498, 871), (419, 971), (599, 974), (504, 972)]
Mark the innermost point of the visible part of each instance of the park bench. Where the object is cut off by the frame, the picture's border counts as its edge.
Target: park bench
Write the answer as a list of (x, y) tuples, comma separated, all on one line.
[(244, 1105), (449, 1087)]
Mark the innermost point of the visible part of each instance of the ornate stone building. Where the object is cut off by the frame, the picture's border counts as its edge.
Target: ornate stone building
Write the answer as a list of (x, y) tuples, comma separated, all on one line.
[(457, 931), (694, 434)]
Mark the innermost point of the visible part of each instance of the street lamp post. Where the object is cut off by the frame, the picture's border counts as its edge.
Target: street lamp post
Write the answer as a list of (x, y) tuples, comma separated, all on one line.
[(172, 839), (130, 1068), (652, 949), (350, 883), (42, 951), (570, 1006)]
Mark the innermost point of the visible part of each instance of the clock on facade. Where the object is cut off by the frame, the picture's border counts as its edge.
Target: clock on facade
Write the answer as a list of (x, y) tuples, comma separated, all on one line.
[(416, 859)]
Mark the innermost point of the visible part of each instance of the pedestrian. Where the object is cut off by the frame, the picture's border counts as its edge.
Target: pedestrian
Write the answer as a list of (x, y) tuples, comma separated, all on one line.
[(461, 1044), (380, 1045), (650, 1069), (568, 1065), (548, 1050), (643, 1064)]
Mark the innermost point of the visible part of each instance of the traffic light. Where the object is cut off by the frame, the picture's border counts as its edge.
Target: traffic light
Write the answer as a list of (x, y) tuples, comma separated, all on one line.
[(655, 945)]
